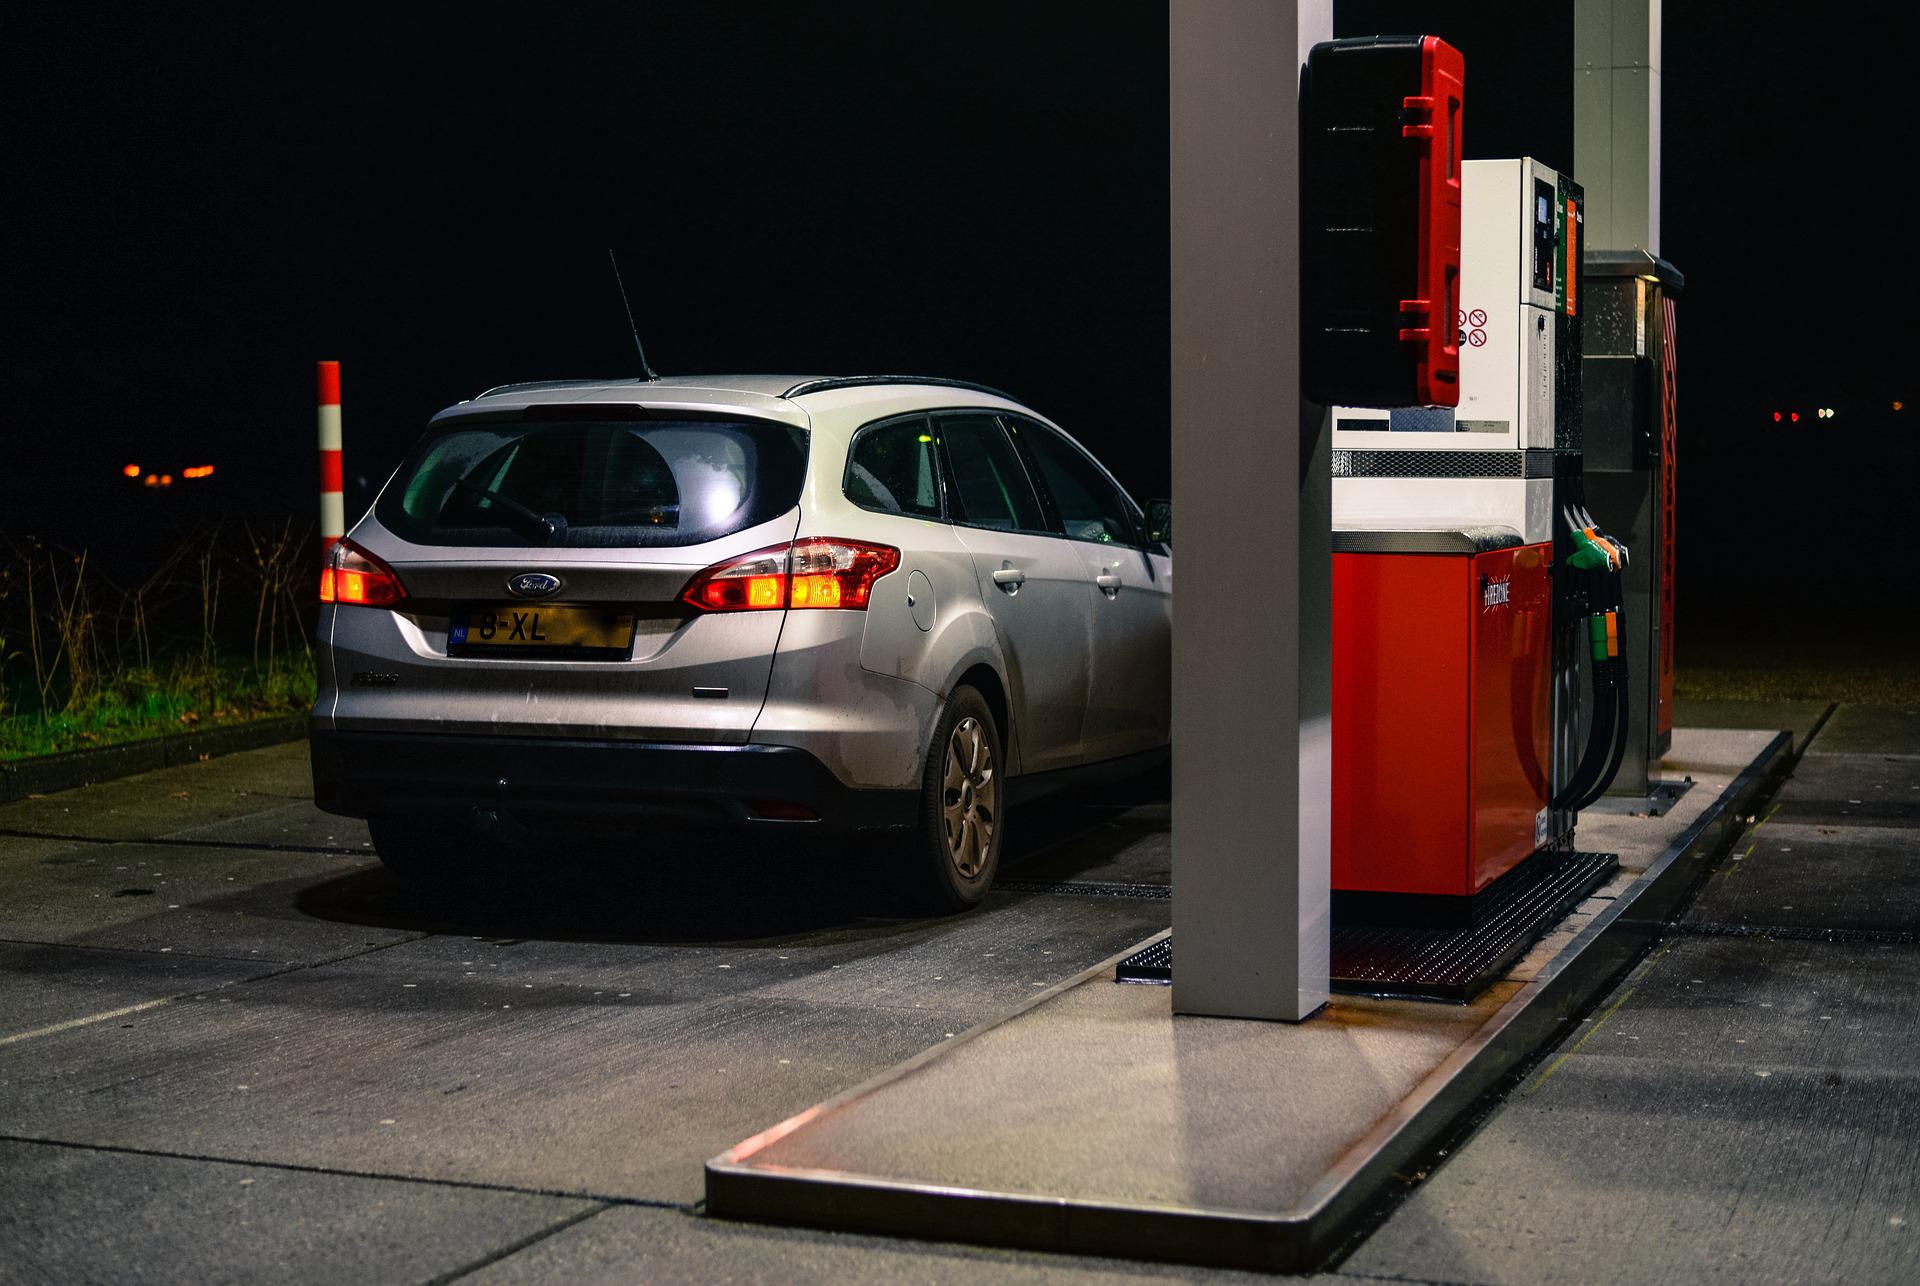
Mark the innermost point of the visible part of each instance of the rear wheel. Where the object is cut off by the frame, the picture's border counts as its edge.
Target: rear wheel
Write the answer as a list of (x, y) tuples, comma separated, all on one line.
[(960, 805)]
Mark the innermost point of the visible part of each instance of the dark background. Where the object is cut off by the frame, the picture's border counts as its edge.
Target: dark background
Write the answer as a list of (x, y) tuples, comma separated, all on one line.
[(199, 201)]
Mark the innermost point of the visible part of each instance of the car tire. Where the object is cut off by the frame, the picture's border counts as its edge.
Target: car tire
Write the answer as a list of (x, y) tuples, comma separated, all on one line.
[(962, 799)]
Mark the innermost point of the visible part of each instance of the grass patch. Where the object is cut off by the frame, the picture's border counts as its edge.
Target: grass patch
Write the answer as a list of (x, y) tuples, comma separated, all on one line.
[(138, 704), (214, 633)]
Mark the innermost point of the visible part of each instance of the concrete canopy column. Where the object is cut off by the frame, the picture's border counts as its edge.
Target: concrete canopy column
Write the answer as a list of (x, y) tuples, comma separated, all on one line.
[(1616, 121), (1252, 688)]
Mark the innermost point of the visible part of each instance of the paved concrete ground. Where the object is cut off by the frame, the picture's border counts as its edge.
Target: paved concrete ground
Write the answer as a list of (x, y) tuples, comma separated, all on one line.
[(1800, 718), (1746, 1107), (229, 1049), (229, 1052)]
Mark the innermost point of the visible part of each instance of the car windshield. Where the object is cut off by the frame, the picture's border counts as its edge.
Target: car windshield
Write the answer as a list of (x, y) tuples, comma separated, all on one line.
[(598, 484)]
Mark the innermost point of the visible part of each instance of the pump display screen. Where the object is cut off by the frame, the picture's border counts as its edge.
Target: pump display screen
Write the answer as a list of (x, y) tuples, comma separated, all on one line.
[(1545, 200)]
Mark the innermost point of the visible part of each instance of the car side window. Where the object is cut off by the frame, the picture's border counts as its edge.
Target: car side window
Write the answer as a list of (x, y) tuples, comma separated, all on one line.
[(1089, 505), (990, 484), (891, 469)]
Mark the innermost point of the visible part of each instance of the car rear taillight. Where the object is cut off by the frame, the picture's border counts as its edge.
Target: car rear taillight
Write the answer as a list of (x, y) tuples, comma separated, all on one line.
[(352, 575), (814, 571)]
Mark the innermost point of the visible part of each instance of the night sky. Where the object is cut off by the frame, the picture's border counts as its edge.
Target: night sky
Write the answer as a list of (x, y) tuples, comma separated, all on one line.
[(201, 200)]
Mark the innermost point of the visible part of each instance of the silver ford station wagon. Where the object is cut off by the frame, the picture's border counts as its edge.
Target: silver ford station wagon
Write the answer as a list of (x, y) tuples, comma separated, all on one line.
[(869, 604)]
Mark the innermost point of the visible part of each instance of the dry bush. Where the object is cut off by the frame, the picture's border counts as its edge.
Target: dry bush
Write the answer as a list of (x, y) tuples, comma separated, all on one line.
[(74, 643)]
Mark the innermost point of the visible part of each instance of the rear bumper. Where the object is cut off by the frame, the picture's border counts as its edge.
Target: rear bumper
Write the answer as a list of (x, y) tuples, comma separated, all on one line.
[(363, 774)]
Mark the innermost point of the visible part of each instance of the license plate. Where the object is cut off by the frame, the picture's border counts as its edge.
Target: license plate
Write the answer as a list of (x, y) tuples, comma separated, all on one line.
[(536, 628)]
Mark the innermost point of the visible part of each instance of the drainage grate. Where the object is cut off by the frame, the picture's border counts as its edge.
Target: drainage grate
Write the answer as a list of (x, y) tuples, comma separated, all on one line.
[(1797, 933), (1453, 964), (1085, 889), (1152, 964)]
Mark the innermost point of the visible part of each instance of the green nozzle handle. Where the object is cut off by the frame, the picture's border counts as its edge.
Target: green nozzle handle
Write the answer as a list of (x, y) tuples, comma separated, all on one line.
[(1587, 555)]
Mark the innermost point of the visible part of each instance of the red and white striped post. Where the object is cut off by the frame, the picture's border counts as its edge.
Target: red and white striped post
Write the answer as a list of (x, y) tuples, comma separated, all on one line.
[(333, 505)]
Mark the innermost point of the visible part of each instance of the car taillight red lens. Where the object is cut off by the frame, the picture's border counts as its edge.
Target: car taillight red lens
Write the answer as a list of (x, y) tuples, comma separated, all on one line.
[(814, 571), (750, 583), (838, 573), (352, 575)]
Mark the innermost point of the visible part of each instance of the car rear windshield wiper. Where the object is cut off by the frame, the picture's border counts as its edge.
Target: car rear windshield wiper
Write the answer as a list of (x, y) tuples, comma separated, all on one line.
[(537, 525)]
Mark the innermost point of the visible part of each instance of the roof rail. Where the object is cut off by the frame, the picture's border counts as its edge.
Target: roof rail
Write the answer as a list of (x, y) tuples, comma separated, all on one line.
[(866, 381), (529, 385)]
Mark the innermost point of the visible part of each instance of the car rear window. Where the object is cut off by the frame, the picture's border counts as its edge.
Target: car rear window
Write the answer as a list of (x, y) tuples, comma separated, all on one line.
[(601, 484)]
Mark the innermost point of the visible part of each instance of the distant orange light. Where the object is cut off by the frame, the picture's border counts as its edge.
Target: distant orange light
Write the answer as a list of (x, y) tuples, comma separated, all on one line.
[(132, 471), (166, 480), (1899, 406), (153, 480), (197, 471)]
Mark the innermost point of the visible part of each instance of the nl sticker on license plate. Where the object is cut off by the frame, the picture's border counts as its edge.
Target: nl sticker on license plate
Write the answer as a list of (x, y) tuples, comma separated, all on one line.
[(536, 628)]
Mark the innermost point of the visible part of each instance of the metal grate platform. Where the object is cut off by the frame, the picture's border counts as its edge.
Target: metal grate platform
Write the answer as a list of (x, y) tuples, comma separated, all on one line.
[(1151, 964), (1454, 964)]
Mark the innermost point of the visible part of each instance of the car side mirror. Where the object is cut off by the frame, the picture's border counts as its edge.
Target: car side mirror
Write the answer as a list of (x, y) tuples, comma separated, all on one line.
[(1160, 522)]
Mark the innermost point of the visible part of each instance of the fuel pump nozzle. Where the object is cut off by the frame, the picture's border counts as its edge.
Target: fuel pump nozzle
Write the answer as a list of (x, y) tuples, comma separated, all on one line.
[(1591, 525), (1593, 551)]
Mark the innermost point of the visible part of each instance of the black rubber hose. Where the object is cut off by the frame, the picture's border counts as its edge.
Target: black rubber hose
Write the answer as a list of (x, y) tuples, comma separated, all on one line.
[(1579, 779), (1600, 739), (1622, 713), (1623, 723), (1607, 740), (1594, 780), (1623, 716)]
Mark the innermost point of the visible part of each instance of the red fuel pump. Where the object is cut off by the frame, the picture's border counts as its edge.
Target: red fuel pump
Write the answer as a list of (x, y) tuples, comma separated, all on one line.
[(1469, 583), (1442, 705)]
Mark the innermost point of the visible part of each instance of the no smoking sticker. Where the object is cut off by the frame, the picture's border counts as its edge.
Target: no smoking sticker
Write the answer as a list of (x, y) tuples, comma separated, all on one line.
[(1472, 326)]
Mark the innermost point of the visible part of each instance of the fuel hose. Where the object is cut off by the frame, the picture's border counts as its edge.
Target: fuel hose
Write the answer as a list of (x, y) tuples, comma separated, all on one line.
[(1599, 565)]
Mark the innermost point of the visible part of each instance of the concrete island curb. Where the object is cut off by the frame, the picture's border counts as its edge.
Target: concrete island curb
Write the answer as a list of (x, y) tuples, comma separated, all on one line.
[(1345, 1198), (44, 774)]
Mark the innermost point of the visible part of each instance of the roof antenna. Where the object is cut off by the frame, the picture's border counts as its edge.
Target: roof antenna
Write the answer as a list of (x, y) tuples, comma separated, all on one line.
[(629, 307)]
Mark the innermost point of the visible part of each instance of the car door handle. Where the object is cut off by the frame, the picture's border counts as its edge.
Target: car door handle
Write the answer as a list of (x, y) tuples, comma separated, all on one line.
[(1009, 578), (1109, 582)]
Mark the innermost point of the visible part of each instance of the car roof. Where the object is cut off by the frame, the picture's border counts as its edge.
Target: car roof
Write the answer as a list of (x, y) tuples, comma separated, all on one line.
[(824, 404), (680, 386)]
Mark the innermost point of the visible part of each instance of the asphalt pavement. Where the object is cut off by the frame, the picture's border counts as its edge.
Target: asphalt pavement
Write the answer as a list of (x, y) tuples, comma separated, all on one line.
[(230, 1050)]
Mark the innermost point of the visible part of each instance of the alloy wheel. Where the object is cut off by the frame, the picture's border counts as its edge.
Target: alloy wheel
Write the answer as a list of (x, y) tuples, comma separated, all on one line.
[(970, 797)]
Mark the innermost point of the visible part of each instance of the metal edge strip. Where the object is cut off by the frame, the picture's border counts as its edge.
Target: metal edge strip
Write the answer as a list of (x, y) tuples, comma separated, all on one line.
[(1292, 1241)]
